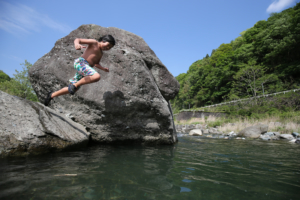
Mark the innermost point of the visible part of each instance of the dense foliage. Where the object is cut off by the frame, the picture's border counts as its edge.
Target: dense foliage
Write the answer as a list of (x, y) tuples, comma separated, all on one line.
[(265, 58), (19, 85)]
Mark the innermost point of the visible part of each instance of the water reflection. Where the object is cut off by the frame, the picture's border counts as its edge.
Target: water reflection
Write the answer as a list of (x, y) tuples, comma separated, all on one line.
[(107, 172), (195, 168)]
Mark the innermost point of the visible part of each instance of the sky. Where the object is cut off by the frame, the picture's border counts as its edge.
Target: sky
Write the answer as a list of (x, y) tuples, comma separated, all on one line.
[(180, 32)]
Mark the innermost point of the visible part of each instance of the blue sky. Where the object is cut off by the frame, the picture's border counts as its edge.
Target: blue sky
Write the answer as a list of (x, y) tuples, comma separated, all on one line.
[(178, 31)]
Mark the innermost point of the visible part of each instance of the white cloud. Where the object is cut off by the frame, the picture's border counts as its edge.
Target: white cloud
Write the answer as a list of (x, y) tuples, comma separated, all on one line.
[(18, 18), (279, 5)]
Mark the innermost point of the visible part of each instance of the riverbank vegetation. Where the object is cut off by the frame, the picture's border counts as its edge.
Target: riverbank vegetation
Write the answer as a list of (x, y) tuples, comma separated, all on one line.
[(281, 113), (19, 85), (264, 59)]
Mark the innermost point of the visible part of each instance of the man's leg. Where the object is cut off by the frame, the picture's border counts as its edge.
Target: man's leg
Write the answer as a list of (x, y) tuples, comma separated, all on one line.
[(60, 92), (88, 79)]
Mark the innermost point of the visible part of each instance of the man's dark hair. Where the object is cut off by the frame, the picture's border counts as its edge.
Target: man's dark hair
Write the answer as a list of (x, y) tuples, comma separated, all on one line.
[(108, 38)]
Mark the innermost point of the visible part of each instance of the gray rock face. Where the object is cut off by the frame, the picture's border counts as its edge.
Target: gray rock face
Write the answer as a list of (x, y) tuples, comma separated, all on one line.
[(254, 131), (128, 104), (30, 128), (286, 136)]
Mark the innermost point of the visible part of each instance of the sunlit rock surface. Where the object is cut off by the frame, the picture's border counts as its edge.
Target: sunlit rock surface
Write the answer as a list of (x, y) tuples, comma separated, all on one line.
[(31, 128), (128, 104)]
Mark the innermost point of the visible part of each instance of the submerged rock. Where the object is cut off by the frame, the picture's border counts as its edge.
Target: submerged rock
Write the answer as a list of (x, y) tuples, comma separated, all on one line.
[(128, 104), (31, 128)]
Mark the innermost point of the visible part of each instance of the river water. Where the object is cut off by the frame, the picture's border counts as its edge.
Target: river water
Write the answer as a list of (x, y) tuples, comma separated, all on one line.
[(194, 168)]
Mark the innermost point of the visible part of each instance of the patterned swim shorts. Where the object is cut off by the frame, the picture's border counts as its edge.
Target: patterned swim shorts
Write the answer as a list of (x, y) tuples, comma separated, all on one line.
[(83, 69)]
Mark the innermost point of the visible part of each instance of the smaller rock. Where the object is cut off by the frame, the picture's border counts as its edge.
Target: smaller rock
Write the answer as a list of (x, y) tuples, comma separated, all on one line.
[(231, 134), (295, 134), (286, 136), (195, 132), (226, 138), (238, 138), (254, 131), (186, 130), (297, 141), (206, 131), (269, 134), (209, 136), (198, 126), (274, 137), (293, 141), (265, 137)]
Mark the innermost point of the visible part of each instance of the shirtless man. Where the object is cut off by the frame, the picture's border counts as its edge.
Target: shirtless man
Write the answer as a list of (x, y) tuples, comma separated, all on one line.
[(90, 58)]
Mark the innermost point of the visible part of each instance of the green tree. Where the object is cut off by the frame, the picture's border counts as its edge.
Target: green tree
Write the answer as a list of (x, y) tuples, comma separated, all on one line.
[(251, 79), (20, 85), (4, 77)]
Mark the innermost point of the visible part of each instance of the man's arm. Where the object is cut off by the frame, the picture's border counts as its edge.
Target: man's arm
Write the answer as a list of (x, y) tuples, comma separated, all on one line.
[(102, 68), (79, 41)]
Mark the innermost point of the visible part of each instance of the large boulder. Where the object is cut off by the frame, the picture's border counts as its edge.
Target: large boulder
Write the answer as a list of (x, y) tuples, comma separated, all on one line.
[(253, 131), (128, 104), (31, 128)]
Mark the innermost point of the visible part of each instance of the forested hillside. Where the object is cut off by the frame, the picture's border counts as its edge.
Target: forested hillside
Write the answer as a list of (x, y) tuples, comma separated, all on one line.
[(265, 58)]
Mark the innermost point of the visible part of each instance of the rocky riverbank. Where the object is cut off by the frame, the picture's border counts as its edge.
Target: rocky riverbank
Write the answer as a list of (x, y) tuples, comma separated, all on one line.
[(258, 131)]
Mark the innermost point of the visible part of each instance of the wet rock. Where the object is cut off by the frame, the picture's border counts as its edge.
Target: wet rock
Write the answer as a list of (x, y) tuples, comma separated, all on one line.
[(231, 134), (31, 128), (265, 137), (269, 134), (297, 141), (286, 136), (136, 91), (295, 134), (293, 141), (253, 131), (195, 132)]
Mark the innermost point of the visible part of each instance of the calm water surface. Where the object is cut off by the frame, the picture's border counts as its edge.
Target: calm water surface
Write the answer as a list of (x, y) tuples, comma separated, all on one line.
[(195, 168)]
